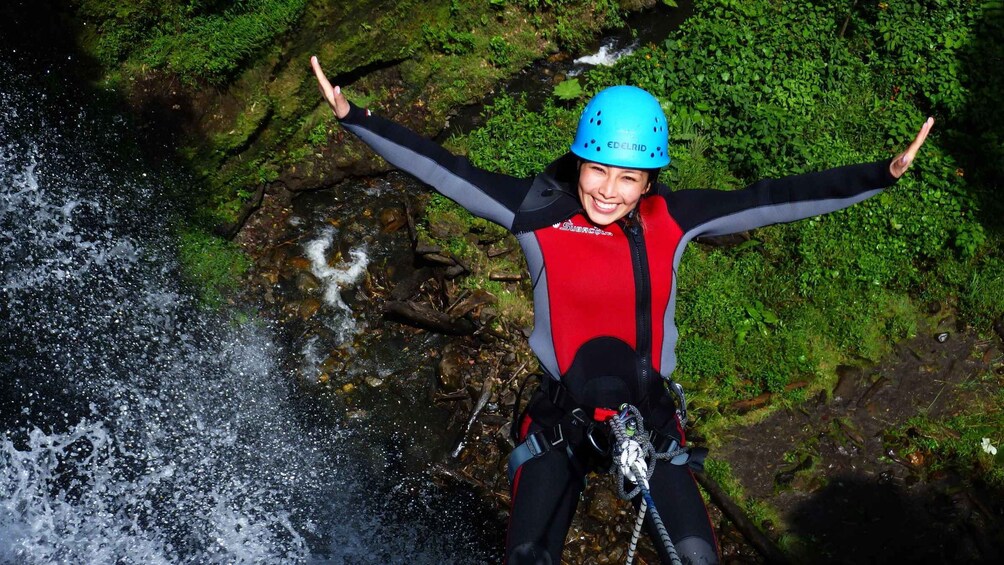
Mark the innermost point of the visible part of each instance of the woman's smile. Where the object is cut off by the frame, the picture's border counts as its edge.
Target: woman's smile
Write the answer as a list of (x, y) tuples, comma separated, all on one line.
[(609, 193)]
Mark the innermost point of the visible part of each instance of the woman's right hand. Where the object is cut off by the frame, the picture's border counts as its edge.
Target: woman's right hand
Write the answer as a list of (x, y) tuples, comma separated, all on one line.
[(339, 105)]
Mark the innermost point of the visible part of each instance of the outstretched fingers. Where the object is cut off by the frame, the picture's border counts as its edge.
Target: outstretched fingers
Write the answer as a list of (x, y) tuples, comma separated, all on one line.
[(903, 161), (333, 95)]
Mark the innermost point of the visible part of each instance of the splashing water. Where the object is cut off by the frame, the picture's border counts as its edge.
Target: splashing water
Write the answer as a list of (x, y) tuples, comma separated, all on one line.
[(336, 278), (608, 54), (136, 427)]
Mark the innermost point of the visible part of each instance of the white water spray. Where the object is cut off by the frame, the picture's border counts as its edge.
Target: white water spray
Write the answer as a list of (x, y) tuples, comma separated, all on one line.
[(135, 426)]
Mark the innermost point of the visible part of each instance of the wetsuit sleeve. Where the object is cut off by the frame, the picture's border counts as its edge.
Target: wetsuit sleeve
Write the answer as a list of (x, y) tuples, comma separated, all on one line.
[(492, 196), (773, 201)]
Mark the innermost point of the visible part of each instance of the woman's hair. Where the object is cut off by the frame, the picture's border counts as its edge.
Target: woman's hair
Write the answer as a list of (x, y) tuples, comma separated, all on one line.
[(653, 179)]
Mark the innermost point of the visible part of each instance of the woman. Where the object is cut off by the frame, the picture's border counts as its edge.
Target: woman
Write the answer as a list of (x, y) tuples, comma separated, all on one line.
[(602, 241)]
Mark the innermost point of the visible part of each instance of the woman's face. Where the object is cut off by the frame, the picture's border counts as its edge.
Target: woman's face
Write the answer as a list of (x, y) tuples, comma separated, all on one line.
[(608, 193)]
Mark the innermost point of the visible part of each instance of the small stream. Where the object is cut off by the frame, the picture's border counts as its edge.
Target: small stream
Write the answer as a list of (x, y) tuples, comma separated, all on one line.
[(537, 81)]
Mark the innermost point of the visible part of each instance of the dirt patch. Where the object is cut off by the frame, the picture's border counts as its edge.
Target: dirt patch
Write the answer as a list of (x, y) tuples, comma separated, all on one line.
[(834, 471)]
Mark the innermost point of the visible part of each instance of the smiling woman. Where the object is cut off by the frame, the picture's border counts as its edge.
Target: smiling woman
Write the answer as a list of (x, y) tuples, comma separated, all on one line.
[(603, 260), (610, 193)]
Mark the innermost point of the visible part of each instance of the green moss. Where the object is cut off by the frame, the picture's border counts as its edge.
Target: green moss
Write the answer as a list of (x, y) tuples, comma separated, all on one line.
[(721, 472), (213, 265), (196, 40)]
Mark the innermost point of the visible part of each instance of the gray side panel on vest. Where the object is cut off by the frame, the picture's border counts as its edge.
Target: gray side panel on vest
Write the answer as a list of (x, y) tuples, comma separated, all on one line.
[(541, 341), (670, 335)]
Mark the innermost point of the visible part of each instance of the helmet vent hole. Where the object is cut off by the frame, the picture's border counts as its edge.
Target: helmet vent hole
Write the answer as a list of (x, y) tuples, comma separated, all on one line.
[(585, 145), (598, 122), (597, 147), (598, 112), (652, 154)]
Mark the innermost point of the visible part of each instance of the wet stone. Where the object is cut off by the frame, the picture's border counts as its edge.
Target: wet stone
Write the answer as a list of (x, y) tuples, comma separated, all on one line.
[(308, 308), (604, 504), (847, 382), (392, 219), (307, 283), (374, 382), (451, 369)]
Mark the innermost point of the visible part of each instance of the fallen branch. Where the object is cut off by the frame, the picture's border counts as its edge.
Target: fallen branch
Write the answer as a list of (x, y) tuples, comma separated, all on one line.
[(761, 543), (743, 406), (428, 318), (486, 393)]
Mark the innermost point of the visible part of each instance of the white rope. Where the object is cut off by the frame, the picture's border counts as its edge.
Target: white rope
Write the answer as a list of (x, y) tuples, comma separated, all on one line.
[(634, 460), (636, 532)]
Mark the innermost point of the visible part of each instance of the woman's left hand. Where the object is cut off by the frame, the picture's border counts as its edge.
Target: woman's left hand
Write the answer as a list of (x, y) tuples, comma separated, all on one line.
[(902, 162), (333, 95)]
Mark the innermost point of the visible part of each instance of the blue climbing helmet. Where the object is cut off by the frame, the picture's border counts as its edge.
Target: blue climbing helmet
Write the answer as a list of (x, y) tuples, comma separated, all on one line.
[(623, 126)]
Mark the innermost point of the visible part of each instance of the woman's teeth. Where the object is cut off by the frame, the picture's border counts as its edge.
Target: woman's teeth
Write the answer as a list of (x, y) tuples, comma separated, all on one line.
[(604, 207)]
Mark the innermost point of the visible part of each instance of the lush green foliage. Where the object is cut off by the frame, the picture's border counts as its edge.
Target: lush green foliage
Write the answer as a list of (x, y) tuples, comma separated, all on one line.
[(747, 99), (569, 89), (196, 39), (518, 141)]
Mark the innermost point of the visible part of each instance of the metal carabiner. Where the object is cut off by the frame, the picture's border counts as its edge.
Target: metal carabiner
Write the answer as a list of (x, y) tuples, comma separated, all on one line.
[(681, 405), (600, 442)]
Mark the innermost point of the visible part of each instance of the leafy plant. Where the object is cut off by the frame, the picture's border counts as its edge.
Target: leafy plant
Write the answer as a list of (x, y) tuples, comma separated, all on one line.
[(758, 319), (501, 51), (568, 89), (448, 40)]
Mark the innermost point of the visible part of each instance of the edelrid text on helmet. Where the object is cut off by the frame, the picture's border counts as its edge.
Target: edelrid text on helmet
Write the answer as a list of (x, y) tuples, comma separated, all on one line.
[(623, 126)]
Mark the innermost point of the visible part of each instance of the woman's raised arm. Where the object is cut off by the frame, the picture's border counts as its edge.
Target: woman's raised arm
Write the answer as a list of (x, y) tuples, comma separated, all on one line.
[(339, 105), (492, 196)]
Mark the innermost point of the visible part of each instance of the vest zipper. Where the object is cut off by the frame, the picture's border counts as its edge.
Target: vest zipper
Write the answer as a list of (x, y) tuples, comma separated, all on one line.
[(636, 240)]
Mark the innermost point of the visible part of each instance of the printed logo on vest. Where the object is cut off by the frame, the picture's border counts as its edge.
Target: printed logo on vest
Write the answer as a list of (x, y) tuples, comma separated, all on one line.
[(567, 225)]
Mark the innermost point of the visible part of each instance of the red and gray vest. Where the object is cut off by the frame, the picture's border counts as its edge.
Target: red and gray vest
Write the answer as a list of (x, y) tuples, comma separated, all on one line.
[(605, 297)]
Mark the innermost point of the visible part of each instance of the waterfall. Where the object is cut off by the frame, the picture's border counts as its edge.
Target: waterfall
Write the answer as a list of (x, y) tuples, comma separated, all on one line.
[(137, 426)]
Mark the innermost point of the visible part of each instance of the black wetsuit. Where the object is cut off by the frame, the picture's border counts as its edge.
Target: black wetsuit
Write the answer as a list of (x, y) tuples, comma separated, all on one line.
[(604, 303)]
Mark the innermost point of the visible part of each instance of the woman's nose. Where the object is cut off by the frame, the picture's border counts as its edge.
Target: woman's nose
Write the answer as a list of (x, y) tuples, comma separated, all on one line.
[(608, 189)]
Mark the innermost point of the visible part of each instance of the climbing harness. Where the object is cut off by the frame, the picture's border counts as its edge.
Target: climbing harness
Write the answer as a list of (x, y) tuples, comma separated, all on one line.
[(591, 424), (619, 435), (634, 461)]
